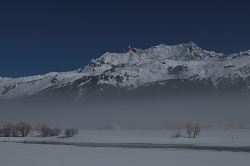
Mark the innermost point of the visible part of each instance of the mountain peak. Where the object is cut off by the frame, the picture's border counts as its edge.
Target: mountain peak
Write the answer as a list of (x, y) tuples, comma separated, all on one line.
[(182, 52), (136, 67), (192, 46)]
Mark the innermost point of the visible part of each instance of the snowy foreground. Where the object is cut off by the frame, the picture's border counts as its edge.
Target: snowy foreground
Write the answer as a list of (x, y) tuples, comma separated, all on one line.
[(12, 152)]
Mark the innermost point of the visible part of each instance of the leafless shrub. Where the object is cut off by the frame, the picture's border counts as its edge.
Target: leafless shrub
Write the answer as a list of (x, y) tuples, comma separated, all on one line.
[(15, 131), (55, 132), (193, 129), (70, 132), (190, 129), (25, 128), (1, 132), (176, 135), (6, 131), (197, 130), (46, 131)]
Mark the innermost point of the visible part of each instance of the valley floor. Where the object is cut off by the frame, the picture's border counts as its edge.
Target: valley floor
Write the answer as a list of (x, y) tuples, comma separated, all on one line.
[(13, 153)]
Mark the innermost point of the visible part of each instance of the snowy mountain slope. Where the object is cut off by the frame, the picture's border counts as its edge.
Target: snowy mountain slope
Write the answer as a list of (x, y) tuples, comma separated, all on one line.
[(135, 68), (26, 86)]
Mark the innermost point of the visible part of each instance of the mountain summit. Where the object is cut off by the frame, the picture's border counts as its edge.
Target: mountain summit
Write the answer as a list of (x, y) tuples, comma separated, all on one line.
[(180, 68)]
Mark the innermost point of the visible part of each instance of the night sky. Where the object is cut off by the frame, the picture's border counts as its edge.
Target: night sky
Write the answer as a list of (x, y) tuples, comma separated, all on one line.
[(40, 36)]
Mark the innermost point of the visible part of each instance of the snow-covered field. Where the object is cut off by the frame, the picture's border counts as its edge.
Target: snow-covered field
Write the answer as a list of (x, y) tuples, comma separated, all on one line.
[(13, 154)]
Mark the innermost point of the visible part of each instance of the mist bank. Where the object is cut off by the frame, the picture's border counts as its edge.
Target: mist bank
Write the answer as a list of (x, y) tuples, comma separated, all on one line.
[(130, 111)]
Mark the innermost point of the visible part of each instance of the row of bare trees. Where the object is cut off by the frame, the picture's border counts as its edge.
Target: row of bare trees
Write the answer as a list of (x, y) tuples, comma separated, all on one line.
[(15, 130), (46, 131), (23, 129)]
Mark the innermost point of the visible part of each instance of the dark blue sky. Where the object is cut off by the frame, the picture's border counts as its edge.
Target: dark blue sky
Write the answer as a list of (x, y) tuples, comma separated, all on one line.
[(37, 37)]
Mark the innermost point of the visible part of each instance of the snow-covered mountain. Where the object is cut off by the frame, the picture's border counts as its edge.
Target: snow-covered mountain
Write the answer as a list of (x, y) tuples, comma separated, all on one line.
[(185, 67)]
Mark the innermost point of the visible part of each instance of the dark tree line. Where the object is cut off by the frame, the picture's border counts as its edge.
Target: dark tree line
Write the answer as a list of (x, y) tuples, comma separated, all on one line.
[(15, 130), (23, 129), (46, 131)]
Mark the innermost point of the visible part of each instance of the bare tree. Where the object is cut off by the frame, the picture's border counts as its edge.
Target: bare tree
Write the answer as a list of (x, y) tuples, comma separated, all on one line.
[(67, 132), (44, 130), (74, 132), (55, 132), (1, 132), (25, 128), (70, 132), (197, 130), (193, 129), (190, 129), (7, 130), (15, 131)]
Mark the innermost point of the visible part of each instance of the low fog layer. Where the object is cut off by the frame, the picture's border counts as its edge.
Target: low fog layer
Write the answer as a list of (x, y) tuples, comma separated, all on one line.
[(131, 113)]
